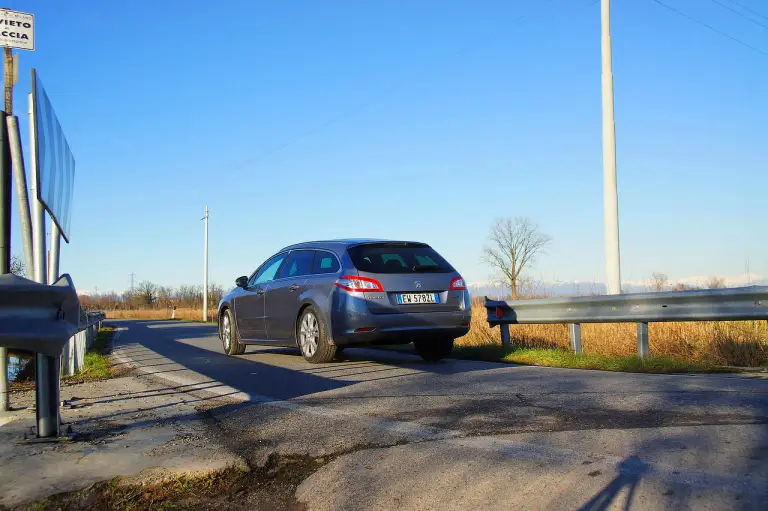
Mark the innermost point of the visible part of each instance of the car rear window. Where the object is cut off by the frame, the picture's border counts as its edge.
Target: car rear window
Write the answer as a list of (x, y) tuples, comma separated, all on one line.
[(398, 258)]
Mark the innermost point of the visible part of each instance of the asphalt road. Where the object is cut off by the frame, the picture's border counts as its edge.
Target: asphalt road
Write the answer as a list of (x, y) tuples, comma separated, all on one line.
[(389, 430)]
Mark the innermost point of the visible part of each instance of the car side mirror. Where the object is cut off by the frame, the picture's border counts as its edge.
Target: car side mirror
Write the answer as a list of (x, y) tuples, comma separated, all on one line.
[(241, 282)]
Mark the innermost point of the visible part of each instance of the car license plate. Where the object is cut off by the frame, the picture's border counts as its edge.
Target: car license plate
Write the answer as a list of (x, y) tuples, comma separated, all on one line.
[(415, 298)]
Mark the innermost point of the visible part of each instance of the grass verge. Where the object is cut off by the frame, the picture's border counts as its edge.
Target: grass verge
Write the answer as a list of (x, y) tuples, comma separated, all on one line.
[(567, 359), (96, 365), (570, 360)]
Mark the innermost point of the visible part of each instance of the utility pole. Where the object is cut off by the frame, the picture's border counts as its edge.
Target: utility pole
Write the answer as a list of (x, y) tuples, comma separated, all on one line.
[(5, 241), (610, 193), (5, 206), (9, 79), (205, 268), (132, 276)]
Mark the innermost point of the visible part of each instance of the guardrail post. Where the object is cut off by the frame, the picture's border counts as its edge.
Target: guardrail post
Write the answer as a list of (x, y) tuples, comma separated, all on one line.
[(642, 340), (576, 338), (47, 395), (505, 337)]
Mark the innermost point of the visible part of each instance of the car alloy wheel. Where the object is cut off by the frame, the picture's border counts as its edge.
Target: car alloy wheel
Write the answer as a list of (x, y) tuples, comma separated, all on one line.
[(309, 334), (227, 333)]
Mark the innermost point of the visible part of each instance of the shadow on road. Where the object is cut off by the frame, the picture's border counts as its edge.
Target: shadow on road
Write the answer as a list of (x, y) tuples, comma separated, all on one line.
[(249, 376), (189, 345), (631, 470)]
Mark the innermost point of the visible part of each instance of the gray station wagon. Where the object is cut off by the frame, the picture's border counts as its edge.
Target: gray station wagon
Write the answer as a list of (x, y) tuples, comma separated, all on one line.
[(324, 296)]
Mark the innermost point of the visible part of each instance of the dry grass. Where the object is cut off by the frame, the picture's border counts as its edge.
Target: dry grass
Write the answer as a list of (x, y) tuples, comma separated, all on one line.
[(188, 314), (737, 343)]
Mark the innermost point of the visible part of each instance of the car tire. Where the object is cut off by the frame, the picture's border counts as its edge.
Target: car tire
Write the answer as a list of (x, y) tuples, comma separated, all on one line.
[(229, 336), (433, 350), (312, 336)]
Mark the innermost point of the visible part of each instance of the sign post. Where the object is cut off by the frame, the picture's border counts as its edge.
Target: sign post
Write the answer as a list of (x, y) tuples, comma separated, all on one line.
[(17, 30)]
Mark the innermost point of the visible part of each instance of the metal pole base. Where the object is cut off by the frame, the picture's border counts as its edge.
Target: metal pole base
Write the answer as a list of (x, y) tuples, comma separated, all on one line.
[(47, 395), (576, 338), (642, 340), (505, 337)]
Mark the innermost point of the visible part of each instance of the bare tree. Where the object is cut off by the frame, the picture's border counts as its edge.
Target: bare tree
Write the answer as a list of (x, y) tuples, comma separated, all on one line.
[(190, 296), (513, 247), (215, 292), (682, 286), (146, 292), (659, 282), (715, 283), (18, 267), (164, 296)]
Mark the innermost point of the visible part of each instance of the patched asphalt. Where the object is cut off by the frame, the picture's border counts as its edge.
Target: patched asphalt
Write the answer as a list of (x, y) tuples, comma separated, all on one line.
[(446, 435)]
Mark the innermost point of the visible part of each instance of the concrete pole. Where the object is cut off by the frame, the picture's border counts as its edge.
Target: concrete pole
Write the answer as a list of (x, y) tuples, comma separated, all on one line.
[(5, 241), (5, 198), (53, 261), (20, 178), (9, 79), (205, 268), (610, 194)]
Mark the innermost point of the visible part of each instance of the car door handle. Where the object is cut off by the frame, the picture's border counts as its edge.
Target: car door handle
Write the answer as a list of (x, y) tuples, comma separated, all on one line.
[(293, 287), (259, 291)]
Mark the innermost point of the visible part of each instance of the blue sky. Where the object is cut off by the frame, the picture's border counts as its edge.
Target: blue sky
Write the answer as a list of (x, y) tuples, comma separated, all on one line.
[(421, 120)]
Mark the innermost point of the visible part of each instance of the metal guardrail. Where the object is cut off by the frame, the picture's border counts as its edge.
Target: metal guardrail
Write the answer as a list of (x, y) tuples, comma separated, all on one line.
[(745, 303), (41, 319), (73, 353)]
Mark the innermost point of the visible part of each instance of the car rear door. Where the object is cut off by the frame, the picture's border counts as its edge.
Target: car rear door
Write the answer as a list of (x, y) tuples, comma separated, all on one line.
[(283, 295), (250, 306), (415, 278)]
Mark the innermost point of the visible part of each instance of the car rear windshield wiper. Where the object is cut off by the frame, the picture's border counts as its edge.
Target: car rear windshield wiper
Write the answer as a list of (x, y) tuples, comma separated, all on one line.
[(427, 267)]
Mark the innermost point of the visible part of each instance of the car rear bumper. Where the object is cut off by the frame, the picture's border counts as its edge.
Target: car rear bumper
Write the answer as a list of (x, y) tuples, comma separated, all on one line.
[(361, 329)]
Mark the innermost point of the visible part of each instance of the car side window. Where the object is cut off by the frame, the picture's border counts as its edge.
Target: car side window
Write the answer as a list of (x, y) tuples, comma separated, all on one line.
[(299, 263), (325, 262), (268, 271)]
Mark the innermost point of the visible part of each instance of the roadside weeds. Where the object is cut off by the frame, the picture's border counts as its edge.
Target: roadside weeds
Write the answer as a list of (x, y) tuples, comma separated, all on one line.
[(272, 486), (97, 365), (570, 360)]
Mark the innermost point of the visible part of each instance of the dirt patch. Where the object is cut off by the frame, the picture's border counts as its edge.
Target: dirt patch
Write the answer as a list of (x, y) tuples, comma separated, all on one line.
[(272, 486), (27, 383)]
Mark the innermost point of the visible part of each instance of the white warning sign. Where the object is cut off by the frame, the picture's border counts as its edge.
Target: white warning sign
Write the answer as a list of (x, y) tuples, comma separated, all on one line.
[(17, 29)]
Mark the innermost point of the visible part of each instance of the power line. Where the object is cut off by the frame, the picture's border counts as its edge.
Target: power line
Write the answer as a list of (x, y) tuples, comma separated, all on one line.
[(748, 9), (395, 87), (718, 2), (681, 13)]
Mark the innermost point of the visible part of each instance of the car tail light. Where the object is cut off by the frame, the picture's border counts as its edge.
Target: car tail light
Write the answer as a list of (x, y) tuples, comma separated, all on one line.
[(359, 285), (458, 284)]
